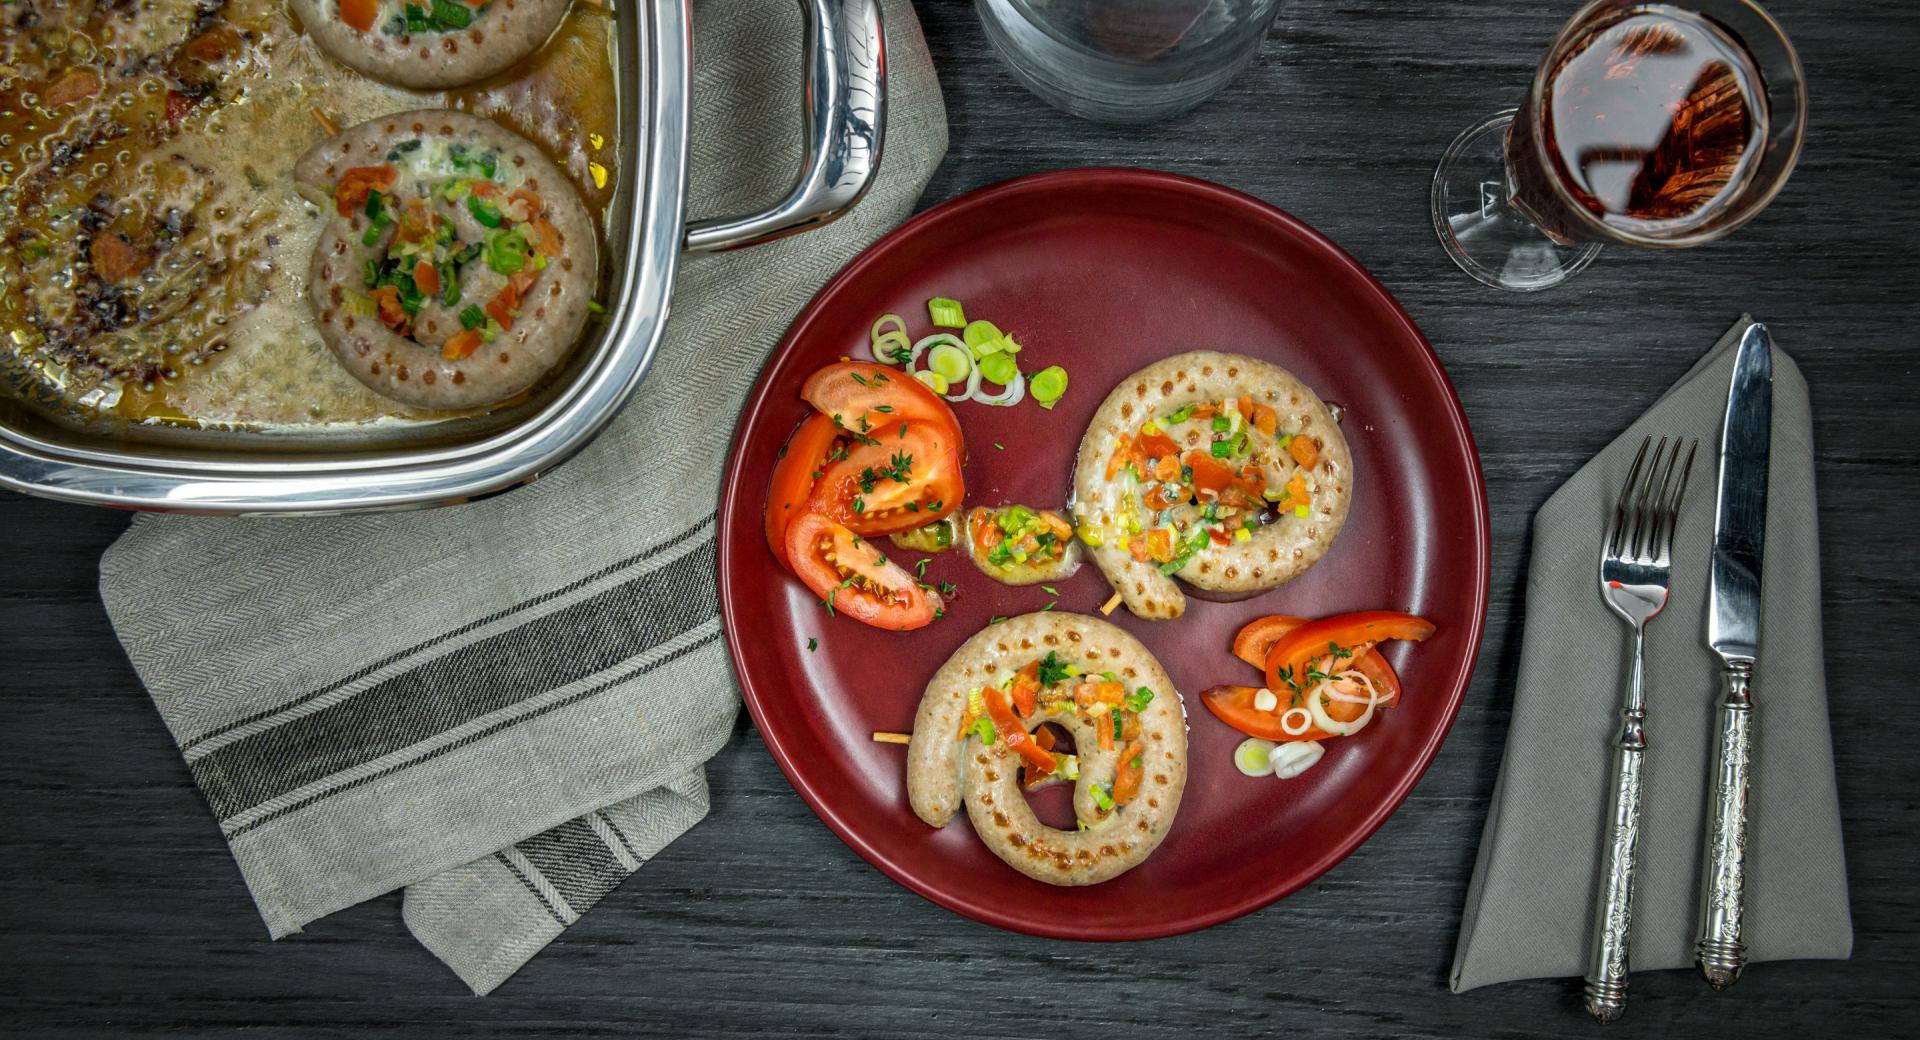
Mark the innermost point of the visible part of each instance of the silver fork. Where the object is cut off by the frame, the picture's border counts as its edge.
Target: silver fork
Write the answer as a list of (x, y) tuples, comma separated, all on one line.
[(1636, 569)]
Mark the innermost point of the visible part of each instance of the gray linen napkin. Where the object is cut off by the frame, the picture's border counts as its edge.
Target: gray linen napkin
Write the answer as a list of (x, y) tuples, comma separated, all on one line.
[(1528, 907), (504, 707)]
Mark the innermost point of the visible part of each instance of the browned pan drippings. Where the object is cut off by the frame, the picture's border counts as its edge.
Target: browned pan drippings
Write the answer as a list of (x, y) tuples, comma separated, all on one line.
[(153, 250)]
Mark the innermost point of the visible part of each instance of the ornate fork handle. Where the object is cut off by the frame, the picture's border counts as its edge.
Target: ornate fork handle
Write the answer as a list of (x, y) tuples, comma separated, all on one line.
[(1723, 871), (1606, 988)]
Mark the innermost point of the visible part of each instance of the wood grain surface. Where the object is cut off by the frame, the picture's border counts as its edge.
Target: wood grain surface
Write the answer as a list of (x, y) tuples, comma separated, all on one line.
[(123, 914)]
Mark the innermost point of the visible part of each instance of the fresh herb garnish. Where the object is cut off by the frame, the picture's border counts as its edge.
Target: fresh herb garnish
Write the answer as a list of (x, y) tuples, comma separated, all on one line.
[(1053, 671), (812, 645)]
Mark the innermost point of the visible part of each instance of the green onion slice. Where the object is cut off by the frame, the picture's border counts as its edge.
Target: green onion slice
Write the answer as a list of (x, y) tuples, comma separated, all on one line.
[(948, 314)]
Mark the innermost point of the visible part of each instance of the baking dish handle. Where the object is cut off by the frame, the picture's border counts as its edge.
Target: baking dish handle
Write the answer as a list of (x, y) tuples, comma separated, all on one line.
[(844, 108)]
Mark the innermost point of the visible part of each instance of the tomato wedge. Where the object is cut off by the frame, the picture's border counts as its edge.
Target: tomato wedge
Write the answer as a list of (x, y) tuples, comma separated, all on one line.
[(853, 577), (1257, 637), (803, 456), (865, 396), (899, 478), (1304, 645), (1233, 705)]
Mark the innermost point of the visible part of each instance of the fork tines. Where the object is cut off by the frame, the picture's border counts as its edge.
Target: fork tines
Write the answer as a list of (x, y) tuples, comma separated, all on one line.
[(1649, 505)]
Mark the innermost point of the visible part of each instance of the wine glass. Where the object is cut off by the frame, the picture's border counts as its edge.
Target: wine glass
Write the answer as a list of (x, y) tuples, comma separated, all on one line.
[(1659, 125)]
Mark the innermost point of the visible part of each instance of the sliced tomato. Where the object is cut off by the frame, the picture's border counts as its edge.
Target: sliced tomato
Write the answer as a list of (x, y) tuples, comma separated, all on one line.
[(1233, 705), (853, 577), (804, 455), (865, 397), (1310, 642), (865, 491), (1256, 638), (1038, 760)]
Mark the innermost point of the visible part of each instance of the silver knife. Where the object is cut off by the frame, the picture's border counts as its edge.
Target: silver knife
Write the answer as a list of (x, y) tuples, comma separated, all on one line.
[(1733, 631)]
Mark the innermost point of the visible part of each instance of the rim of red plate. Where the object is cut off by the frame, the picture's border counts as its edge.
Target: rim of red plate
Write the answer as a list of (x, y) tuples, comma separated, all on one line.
[(959, 208)]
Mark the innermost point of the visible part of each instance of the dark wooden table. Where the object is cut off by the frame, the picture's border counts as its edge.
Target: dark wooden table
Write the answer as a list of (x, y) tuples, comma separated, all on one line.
[(124, 914)]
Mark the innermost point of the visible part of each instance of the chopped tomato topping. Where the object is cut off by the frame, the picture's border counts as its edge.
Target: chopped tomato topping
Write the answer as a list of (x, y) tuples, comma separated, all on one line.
[(1026, 690), (546, 238), (461, 345), (416, 222), (70, 86), (484, 189), (360, 14), (114, 259), (1167, 468), (178, 105), (392, 315), (1265, 419), (506, 304), (1219, 536), (350, 195), (1157, 446), (1128, 774), (1014, 733), (1305, 450), (426, 277), (1209, 475), (1160, 544), (1205, 411), (1122, 451), (1165, 496), (1297, 493), (522, 205)]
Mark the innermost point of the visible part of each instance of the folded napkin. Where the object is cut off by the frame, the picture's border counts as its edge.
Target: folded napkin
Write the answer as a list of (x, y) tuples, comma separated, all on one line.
[(504, 706), (1530, 903)]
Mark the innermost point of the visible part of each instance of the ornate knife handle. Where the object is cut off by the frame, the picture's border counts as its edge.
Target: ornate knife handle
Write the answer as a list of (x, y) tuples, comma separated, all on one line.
[(1606, 988), (1724, 870)]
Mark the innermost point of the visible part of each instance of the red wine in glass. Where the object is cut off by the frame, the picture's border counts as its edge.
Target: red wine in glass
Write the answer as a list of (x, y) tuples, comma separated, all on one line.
[(1662, 125), (1652, 123)]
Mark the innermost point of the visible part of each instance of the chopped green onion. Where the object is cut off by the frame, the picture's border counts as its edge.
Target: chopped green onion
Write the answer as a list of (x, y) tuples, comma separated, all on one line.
[(450, 293), (1138, 700), (450, 15), (418, 20), (1222, 449), (1118, 725), (1048, 385), (1101, 798), (949, 362), (507, 251), (1239, 443), (948, 314), (1302, 512), (999, 368), (472, 317), (1182, 415), (983, 336), (983, 728), (485, 212), (1222, 424)]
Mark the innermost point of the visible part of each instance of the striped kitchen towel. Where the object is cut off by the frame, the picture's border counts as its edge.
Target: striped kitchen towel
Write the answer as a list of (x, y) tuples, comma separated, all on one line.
[(504, 707)]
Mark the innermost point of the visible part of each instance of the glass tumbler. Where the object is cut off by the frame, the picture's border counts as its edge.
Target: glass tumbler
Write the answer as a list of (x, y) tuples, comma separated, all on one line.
[(1126, 61)]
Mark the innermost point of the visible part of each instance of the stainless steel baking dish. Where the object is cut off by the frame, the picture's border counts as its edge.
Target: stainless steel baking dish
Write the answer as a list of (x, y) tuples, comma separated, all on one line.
[(238, 472)]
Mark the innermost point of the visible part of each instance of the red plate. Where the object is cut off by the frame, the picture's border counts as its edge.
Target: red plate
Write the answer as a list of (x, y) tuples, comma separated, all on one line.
[(1105, 271)]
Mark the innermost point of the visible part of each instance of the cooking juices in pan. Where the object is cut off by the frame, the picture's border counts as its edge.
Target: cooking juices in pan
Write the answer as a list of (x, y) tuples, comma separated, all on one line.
[(153, 251)]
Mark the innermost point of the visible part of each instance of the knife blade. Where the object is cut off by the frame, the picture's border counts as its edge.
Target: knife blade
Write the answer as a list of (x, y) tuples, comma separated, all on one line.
[(1740, 503), (1733, 633)]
